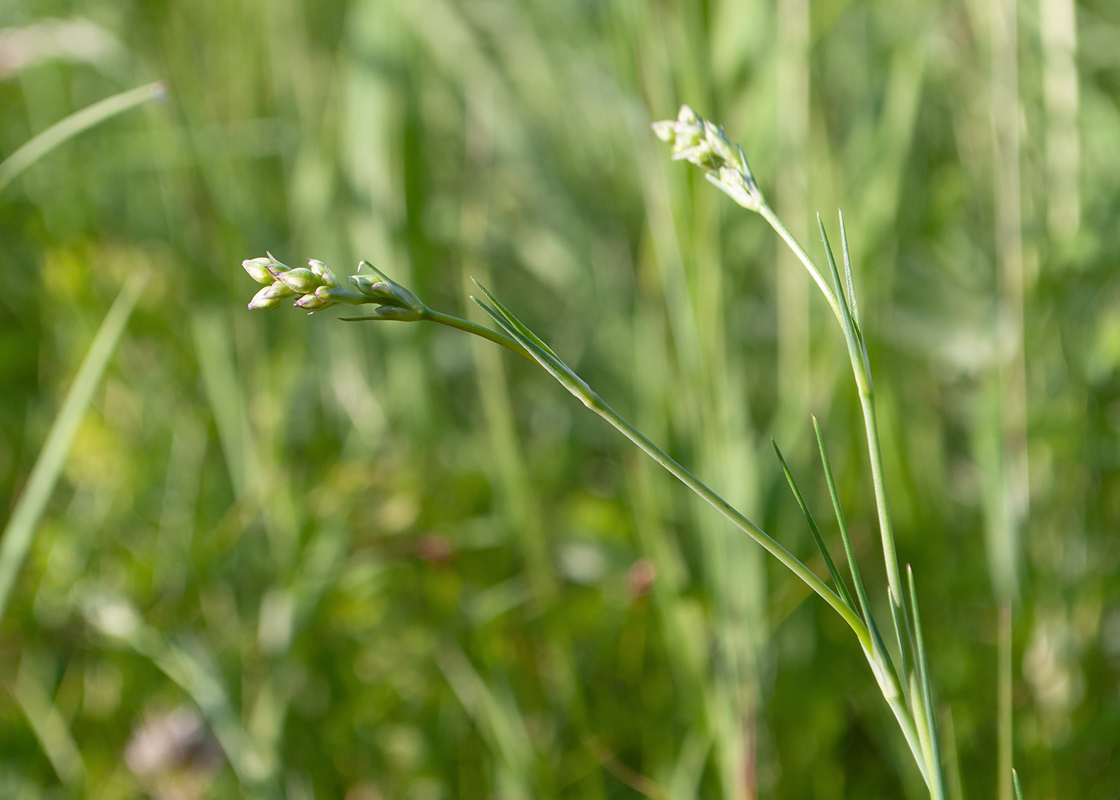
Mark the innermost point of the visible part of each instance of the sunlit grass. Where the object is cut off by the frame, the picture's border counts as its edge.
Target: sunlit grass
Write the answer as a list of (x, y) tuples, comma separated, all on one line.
[(320, 513)]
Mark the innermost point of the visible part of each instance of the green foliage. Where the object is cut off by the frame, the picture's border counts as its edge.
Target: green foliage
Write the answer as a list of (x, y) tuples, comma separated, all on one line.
[(378, 561)]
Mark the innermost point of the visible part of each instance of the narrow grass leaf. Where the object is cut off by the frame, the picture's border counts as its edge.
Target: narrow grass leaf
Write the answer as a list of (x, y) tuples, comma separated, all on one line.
[(500, 723), (544, 357), (859, 366), (857, 579), (1015, 782), (574, 384), (852, 300), (515, 322), (878, 657), (848, 276), (837, 579), (52, 458), (48, 724), (71, 126), (927, 688), (845, 312)]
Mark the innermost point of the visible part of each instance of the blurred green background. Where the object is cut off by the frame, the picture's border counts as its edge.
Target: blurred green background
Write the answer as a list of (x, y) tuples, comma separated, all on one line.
[(295, 558)]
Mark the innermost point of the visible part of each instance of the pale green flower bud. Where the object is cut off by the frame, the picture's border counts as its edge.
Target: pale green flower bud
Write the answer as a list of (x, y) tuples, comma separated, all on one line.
[(340, 294), (325, 274), (270, 296), (704, 144), (397, 314), (374, 288), (327, 296), (665, 130), (258, 270), (685, 134), (312, 303), (717, 140), (300, 280)]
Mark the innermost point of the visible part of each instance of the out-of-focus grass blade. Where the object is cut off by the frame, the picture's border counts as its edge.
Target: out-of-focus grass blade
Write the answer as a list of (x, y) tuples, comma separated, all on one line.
[(74, 124), (955, 788), (224, 390), (499, 722), (48, 724), (835, 573), (48, 466), (190, 665)]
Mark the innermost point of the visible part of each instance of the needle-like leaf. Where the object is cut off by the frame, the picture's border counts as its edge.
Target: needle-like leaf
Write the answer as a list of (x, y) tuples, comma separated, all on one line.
[(515, 322), (927, 688), (837, 579)]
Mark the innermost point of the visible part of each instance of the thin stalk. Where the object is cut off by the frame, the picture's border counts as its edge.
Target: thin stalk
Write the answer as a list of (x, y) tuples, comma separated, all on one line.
[(927, 753), (478, 330), (779, 227), (862, 375), (544, 356), (596, 404)]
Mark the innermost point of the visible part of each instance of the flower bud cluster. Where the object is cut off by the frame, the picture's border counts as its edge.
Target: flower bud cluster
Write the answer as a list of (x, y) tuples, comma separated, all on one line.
[(316, 287), (704, 144)]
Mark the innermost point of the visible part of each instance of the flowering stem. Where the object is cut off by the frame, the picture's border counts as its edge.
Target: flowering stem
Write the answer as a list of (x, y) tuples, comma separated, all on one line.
[(450, 321), (779, 227)]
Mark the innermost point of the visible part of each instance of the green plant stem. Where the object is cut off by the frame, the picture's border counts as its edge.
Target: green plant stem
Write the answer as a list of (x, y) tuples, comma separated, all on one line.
[(929, 762), (867, 402), (779, 227), (592, 400), (596, 404), (71, 126), (478, 330)]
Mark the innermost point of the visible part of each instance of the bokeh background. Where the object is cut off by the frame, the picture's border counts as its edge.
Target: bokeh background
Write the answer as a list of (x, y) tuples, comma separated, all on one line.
[(291, 557)]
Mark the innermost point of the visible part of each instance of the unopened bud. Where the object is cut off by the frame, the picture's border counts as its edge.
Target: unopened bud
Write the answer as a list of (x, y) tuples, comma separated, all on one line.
[(665, 130), (270, 297), (327, 296), (374, 288), (300, 280), (258, 269), (340, 294), (312, 303), (324, 273), (717, 140)]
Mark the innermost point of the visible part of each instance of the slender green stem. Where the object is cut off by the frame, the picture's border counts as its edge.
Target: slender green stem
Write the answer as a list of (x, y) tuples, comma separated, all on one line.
[(867, 402), (928, 754), (72, 125), (779, 227), (478, 330), (596, 404)]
